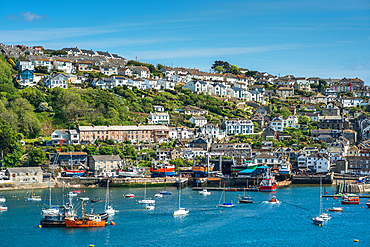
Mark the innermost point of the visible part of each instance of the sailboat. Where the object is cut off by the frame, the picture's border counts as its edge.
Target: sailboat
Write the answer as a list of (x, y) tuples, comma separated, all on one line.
[(146, 201), (108, 208), (181, 211), (323, 217), (246, 199), (32, 197), (225, 204)]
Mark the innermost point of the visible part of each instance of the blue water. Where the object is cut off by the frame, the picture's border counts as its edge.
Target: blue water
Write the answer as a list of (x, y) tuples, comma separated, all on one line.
[(257, 224)]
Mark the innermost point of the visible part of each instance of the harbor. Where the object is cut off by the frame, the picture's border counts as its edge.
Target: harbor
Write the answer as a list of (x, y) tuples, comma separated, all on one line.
[(206, 224)]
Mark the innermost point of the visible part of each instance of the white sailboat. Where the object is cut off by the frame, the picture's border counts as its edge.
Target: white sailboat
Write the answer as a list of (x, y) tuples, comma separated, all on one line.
[(31, 196), (108, 208), (181, 211), (146, 201), (225, 204), (323, 217)]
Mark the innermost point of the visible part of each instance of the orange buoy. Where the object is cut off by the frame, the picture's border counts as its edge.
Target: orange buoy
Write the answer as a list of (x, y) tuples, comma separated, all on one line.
[(335, 198), (112, 223), (40, 226), (356, 240)]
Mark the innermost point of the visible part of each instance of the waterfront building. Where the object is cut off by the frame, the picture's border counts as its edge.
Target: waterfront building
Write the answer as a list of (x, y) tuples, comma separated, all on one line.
[(105, 165), (133, 133), (24, 175), (233, 150)]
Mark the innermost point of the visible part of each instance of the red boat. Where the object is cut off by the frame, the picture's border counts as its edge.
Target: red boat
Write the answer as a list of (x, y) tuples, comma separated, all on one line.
[(268, 183), (368, 204), (162, 170), (350, 199), (231, 189)]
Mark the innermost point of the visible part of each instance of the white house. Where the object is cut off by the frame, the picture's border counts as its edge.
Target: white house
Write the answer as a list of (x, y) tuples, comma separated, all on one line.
[(164, 84), (158, 108), (351, 102), (124, 71), (291, 122), (42, 62), (180, 133), (211, 130), (119, 81), (198, 121), (318, 162), (70, 137), (277, 123), (238, 127), (58, 80), (108, 70), (322, 165), (159, 118), (196, 86), (266, 159), (217, 89), (141, 71), (24, 64), (63, 64)]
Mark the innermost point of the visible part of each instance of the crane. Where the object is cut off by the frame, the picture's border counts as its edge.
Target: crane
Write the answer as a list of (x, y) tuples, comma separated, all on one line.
[(57, 155)]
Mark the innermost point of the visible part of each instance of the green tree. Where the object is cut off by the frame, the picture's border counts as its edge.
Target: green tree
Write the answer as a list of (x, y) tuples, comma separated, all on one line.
[(7, 138), (37, 156), (105, 150), (91, 150), (284, 112), (304, 119), (5, 71), (234, 70), (256, 126), (224, 64), (219, 69)]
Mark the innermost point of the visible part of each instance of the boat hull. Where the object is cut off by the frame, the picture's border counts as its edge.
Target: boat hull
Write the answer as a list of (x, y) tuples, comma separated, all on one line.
[(226, 205), (318, 221), (84, 223), (268, 188), (245, 201), (45, 222), (368, 204), (350, 202), (72, 173)]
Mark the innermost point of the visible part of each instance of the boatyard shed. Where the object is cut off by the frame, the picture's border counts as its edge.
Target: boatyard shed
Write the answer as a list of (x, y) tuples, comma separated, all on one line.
[(24, 174)]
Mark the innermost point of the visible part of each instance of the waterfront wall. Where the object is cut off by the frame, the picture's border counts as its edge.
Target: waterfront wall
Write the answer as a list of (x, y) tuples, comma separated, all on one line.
[(313, 179)]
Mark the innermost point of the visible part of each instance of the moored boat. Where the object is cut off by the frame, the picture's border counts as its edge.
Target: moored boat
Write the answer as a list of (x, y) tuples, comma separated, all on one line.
[(202, 170), (163, 170), (2, 199), (130, 195), (132, 172), (3, 208), (73, 173), (158, 195), (350, 199), (318, 221), (246, 199), (336, 209), (268, 183), (204, 192), (273, 200), (96, 199), (86, 220), (285, 168), (165, 192), (150, 207), (224, 204)]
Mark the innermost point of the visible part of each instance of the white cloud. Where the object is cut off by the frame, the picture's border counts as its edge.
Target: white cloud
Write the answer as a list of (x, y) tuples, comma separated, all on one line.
[(27, 17)]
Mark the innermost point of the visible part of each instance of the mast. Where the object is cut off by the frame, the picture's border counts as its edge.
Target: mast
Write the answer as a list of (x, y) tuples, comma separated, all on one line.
[(179, 191), (50, 190), (320, 195), (144, 189), (2, 159), (107, 195)]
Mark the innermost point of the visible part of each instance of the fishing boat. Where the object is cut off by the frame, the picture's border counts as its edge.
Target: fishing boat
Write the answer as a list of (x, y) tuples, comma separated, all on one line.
[(231, 189), (132, 172), (150, 207), (162, 170), (2, 199), (55, 217), (318, 221), (109, 208), (202, 170), (350, 199), (96, 199), (158, 195), (204, 192), (246, 199), (130, 195), (86, 220), (145, 200), (31, 196), (285, 168), (181, 211), (368, 204), (268, 183), (224, 204), (3, 208)]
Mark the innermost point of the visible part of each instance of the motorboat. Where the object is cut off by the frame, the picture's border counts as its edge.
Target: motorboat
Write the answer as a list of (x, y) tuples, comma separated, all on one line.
[(2, 199), (3, 208), (246, 199), (336, 209), (204, 192), (96, 199), (130, 195), (318, 221), (146, 201), (149, 207), (180, 212), (164, 192), (158, 195), (368, 204), (350, 199), (273, 200)]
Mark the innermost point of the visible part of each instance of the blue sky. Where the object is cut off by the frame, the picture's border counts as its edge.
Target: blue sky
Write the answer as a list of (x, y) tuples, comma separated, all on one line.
[(303, 38)]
